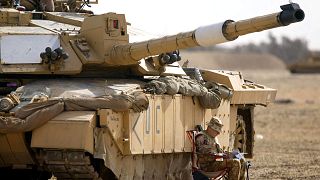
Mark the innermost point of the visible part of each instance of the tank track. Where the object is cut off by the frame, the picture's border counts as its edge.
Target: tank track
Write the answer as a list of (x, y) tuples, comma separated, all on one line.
[(68, 164)]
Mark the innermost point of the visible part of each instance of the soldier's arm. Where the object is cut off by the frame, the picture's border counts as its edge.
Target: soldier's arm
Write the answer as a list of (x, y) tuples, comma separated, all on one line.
[(199, 142), (202, 146)]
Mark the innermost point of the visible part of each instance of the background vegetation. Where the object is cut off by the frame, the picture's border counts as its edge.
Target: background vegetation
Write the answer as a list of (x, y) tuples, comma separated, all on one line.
[(288, 50)]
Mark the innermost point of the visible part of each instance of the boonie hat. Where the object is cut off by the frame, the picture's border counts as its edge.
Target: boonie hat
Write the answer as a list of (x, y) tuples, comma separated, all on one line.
[(215, 124)]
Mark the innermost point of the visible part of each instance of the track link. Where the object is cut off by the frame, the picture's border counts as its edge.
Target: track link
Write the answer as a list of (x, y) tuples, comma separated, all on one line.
[(69, 164)]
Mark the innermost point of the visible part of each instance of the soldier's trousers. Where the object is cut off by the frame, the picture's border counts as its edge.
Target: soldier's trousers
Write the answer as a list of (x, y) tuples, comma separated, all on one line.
[(234, 166)]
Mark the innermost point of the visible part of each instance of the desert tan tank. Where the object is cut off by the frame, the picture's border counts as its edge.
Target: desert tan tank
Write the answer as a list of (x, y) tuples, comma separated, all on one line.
[(79, 101), (309, 65)]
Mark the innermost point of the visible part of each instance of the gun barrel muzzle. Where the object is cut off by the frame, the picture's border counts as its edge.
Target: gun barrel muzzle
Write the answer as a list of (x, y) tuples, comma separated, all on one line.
[(291, 13)]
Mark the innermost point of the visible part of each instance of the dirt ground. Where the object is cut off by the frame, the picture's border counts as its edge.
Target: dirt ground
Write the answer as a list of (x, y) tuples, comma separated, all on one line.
[(287, 142)]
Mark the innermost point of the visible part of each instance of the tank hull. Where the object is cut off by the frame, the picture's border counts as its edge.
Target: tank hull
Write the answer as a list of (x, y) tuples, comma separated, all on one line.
[(156, 135), (305, 68)]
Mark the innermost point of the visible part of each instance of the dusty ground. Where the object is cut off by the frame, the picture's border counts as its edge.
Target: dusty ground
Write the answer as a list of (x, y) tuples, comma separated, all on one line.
[(288, 135)]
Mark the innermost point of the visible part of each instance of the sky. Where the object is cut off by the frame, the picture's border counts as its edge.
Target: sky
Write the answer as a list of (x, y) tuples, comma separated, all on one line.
[(167, 17)]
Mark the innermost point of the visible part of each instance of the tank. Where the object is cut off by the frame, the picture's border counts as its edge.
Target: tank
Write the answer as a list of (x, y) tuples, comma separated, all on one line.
[(79, 101), (309, 65)]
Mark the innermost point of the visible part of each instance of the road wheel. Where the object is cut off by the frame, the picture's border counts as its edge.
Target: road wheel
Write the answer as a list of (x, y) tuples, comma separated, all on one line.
[(240, 135)]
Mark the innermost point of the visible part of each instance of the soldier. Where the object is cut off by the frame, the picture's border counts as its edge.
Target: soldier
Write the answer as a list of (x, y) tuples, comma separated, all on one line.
[(207, 148)]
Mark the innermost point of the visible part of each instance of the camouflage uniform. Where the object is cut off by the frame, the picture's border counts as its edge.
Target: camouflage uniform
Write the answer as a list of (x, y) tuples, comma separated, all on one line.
[(43, 5), (206, 146)]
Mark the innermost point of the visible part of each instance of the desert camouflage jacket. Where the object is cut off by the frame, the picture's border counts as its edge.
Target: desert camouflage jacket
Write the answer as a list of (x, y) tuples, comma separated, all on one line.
[(206, 146)]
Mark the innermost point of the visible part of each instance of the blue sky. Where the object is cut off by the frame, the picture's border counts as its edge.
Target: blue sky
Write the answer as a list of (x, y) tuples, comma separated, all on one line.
[(174, 16)]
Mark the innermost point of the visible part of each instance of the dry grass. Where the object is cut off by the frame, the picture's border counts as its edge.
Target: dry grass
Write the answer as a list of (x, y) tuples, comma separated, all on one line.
[(290, 148)]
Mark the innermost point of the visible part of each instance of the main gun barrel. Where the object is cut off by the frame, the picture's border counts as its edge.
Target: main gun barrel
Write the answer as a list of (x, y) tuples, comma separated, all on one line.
[(205, 36)]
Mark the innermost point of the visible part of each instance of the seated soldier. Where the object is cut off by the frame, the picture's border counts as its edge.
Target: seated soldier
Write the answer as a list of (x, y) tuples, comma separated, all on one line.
[(207, 147)]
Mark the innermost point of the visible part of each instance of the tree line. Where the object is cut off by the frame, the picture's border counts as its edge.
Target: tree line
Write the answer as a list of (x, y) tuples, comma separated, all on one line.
[(288, 50)]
